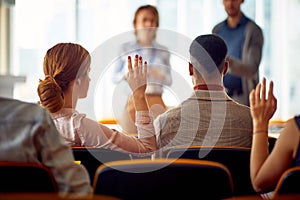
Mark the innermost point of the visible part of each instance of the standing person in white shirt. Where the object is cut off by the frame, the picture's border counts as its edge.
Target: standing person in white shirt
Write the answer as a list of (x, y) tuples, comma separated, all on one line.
[(145, 22)]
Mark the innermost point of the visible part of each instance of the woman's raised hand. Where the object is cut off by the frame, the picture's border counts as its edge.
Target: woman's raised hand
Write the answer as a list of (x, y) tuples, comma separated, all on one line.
[(137, 75), (262, 107)]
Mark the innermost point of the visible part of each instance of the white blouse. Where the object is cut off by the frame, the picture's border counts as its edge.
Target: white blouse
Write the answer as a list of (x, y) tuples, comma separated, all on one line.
[(78, 130), (158, 58)]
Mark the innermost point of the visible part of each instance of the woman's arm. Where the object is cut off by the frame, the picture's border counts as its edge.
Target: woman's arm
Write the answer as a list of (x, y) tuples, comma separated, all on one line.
[(266, 169), (146, 141)]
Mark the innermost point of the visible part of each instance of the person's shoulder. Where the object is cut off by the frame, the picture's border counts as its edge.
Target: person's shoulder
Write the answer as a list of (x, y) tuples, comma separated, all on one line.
[(241, 105), (81, 120), (155, 44), (4, 100), (15, 104), (162, 49), (241, 108), (21, 109), (218, 26), (129, 47), (171, 113), (220, 23), (253, 25), (69, 113), (128, 44)]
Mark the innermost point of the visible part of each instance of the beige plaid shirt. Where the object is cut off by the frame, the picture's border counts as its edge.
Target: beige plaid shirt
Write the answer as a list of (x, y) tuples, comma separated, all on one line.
[(207, 118)]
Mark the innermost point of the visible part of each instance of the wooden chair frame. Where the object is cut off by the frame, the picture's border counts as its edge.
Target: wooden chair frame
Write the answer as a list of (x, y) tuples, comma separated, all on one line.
[(289, 182)]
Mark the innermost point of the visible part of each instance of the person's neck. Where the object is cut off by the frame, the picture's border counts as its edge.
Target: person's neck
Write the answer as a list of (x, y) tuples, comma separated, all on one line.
[(69, 106), (145, 43), (232, 21), (69, 101), (208, 85)]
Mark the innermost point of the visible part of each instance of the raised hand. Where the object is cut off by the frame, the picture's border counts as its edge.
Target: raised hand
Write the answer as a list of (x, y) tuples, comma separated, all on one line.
[(262, 107), (137, 75)]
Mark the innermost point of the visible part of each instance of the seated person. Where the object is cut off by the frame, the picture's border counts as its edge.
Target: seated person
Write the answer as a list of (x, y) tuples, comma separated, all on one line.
[(28, 134), (209, 117), (266, 168), (66, 69)]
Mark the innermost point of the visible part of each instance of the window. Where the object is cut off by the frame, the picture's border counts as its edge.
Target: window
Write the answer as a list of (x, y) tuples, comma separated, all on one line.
[(39, 24)]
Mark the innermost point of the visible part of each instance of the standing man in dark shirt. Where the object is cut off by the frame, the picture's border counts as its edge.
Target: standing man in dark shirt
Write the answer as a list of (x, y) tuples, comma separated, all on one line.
[(244, 39)]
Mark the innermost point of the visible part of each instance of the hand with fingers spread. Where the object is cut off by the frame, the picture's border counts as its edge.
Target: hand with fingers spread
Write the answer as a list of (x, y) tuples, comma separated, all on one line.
[(137, 75), (137, 80), (262, 107)]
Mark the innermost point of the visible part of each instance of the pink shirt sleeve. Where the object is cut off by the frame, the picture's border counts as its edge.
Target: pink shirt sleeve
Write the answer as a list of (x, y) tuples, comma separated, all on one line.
[(95, 134)]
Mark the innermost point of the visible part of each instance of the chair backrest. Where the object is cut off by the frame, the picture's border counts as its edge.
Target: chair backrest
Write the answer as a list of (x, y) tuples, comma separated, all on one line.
[(236, 159), (289, 182), (163, 179), (272, 141), (22, 177), (91, 158)]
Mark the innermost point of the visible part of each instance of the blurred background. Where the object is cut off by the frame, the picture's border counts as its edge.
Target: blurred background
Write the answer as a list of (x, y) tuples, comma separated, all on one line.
[(30, 27)]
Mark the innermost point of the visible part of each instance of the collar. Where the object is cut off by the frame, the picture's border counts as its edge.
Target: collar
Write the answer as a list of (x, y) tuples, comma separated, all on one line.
[(243, 20), (209, 87), (64, 112), (210, 95)]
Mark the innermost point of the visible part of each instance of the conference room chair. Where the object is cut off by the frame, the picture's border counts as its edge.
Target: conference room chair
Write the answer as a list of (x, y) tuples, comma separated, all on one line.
[(289, 182), (272, 141), (22, 177), (91, 158), (163, 179), (236, 159)]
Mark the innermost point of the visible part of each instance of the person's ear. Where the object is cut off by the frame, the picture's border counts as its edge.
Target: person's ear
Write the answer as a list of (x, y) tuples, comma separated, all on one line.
[(226, 66), (191, 69), (78, 81)]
